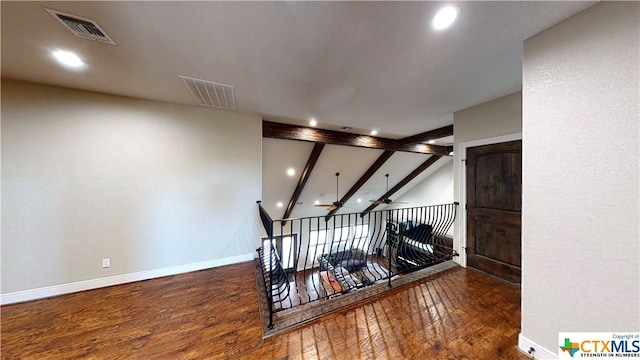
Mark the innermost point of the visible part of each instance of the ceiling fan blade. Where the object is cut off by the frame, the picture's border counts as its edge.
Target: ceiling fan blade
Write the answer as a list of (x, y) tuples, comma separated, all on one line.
[(383, 201), (324, 205), (331, 208)]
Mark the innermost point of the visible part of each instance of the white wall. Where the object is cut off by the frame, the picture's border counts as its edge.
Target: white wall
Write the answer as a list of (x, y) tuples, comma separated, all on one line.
[(496, 118), (435, 189), (581, 255), (151, 185)]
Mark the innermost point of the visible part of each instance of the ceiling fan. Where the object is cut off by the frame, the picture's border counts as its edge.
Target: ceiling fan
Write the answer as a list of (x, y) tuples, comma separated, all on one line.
[(386, 200), (337, 203)]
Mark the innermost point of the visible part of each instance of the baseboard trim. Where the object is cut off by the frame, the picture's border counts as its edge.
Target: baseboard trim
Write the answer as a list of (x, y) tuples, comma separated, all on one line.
[(49, 291), (541, 353)]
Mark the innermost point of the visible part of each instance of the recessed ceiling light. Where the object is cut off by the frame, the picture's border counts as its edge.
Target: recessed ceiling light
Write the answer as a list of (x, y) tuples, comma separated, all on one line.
[(445, 17), (432, 141), (68, 59), (317, 202), (374, 132), (313, 122), (291, 171), (279, 204), (359, 200)]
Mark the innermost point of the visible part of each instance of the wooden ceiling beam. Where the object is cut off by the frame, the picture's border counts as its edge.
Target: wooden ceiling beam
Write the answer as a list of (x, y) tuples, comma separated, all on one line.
[(363, 179), (426, 136), (304, 176), (302, 133), (425, 149), (405, 181)]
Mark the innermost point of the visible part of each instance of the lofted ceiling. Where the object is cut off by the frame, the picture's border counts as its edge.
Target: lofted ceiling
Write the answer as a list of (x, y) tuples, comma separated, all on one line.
[(365, 65), (351, 162)]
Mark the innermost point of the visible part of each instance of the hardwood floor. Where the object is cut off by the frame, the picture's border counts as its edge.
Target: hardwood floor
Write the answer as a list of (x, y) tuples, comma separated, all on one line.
[(308, 287), (213, 314)]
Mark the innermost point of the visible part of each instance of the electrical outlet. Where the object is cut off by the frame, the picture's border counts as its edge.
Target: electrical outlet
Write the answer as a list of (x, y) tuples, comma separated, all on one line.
[(106, 262)]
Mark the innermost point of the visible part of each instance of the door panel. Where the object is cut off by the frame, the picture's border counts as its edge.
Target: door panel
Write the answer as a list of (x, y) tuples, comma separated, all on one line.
[(499, 241), (497, 181), (494, 203)]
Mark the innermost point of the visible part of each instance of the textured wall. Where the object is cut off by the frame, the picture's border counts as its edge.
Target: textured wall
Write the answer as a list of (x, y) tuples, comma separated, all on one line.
[(151, 185), (581, 258)]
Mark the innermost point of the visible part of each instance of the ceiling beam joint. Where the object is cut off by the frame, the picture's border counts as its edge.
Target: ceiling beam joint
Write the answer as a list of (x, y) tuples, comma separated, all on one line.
[(302, 133)]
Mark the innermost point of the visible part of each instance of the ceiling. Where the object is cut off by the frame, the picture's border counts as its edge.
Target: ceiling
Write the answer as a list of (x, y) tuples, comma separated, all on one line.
[(351, 162), (360, 64), (365, 65)]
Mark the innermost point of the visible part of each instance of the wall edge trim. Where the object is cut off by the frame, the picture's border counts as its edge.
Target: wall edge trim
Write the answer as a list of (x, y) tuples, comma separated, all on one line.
[(55, 290), (540, 352)]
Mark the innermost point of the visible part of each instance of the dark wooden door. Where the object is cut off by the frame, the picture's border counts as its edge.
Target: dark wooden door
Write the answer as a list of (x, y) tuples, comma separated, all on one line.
[(494, 202)]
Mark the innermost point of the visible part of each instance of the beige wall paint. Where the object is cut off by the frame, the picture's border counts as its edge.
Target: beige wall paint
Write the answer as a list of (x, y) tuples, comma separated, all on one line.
[(499, 117), (502, 116), (151, 185), (581, 253)]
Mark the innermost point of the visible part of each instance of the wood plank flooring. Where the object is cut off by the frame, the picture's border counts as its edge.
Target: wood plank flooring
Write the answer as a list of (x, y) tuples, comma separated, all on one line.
[(213, 314), (307, 287)]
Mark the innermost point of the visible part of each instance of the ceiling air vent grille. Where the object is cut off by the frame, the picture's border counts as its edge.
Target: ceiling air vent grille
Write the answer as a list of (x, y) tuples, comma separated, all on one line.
[(84, 28), (209, 93)]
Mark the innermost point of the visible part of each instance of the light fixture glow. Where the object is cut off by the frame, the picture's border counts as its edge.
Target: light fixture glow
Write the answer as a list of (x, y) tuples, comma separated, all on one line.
[(445, 17), (317, 202), (313, 122), (374, 132), (68, 59), (291, 171), (451, 153), (359, 200), (279, 204), (432, 141)]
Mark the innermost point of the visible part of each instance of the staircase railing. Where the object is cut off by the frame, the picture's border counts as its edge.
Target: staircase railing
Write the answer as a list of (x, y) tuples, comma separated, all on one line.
[(310, 259)]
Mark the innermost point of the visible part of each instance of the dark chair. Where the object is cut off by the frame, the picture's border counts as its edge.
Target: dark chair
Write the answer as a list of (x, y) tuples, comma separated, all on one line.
[(351, 260)]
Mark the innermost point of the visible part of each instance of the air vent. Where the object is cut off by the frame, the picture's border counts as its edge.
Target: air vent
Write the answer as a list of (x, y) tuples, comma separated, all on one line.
[(81, 27), (209, 93)]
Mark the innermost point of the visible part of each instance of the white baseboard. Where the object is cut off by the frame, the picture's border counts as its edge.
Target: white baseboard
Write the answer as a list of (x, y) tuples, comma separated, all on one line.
[(49, 291), (541, 353)]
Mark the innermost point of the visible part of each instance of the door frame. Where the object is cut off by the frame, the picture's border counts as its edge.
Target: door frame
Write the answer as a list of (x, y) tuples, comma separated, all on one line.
[(462, 186)]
